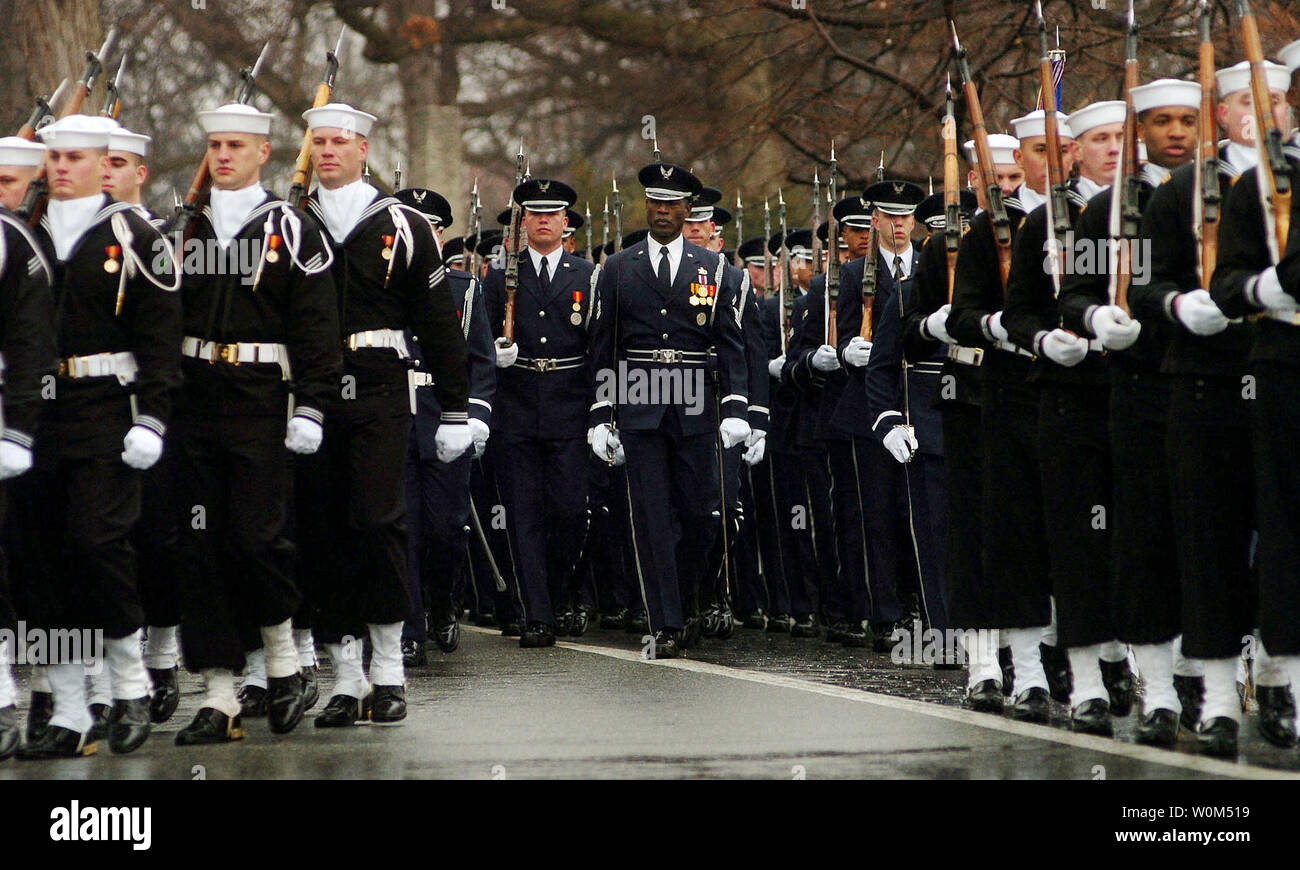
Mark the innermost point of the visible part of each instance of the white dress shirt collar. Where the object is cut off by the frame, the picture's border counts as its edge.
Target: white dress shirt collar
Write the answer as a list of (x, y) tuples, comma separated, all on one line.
[(906, 254), (552, 261), (674, 248)]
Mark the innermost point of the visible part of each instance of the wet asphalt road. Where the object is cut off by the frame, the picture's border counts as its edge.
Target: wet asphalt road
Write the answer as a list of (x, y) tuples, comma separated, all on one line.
[(758, 706)]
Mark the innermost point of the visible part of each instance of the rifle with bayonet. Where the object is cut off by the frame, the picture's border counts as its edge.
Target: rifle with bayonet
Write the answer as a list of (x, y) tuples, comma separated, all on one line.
[(302, 165), (591, 255), (33, 205), (1058, 213), (512, 249), (769, 274), (785, 283), (475, 227), (740, 230), (1208, 194), (44, 109), (196, 197), (618, 218), (1274, 175), (869, 264), (951, 186), (816, 223), (1125, 206), (989, 194), (113, 99), (397, 176), (833, 260), (604, 228)]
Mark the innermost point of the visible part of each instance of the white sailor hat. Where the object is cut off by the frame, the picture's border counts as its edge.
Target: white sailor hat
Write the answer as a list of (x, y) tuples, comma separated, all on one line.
[(1002, 146), (544, 195), (17, 151), (1166, 92), (702, 207), (342, 116), (123, 139), (1095, 115), (1289, 54), (235, 118), (667, 183), (1035, 124), (78, 131), (1232, 79)]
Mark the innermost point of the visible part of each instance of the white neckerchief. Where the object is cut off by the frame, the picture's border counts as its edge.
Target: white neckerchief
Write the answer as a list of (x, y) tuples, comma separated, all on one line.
[(1029, 198), (552, 262), (906, 254), (230, 208), (1242, 156), (1088, 188), (675, 248), (142, 211), (69, 220), (342, 206)]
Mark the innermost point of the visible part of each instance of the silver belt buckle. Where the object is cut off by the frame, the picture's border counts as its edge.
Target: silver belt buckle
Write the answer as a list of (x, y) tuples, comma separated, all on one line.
[(667, 355), (544, 365)]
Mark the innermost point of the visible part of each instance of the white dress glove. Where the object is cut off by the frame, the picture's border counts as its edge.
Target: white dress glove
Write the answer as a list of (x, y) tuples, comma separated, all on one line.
[(143, 447), (451, 440), (1116, 329), (774, 366), (603, 439), (937, 324), (733, 431), (1197, 311), (756, 450), (858, 351), (507, 353), (1064, 348), (303, 436), (1269, 292), (479, 431), (901, 443), (619, 456), (825, 360), (14, 459), (996, 329)]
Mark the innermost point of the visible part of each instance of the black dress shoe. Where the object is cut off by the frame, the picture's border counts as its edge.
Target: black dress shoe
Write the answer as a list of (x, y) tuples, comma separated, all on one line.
[(99, 717), (882, 640), (1032, 705), (166, 693), (780, 623), (665, 645), (564, 623), (614, 619), (756, 620), (1158, 728), (447, 636), (856, 635), (689, 636), (1276, 715), (310, 688), (1191, 694), (485, 619), (1218, 737), (538, 634), (129, 724), (39, 714), (805, 626), (1009, 671), (1092, 717), (835, 632), (10, 733), (343, 711), (210, 726), (388, 705), (637, 623), (512, 628), (985, 697), (1056, 667), (581, 621), (284, 703), (252, 702), (711, 621), (1118, 680), (57, 742), (726, 623), (412, 654)]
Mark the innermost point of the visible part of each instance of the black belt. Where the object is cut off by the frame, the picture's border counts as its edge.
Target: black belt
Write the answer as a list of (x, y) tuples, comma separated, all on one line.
[(667, 356), (551, 365)]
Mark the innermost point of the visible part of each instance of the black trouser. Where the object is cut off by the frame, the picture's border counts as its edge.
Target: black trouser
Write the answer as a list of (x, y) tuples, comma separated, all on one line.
[(1212, 497), (486, 502), (544, 490), (817, 482), (1275, 428), (724, 567), (156, 540), (968, 595), (357, 486), (437, 509), (1074, 447), (850, 531), (672, 484), (928, 506), (236, 564), (608, 550), (796, 585), (748, 594), (1015, 566), (1146, 597), (883, 491)]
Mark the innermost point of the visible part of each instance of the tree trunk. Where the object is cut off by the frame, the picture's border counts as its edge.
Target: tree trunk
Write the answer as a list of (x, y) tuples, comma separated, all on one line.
[(53, 38), (435, 152)]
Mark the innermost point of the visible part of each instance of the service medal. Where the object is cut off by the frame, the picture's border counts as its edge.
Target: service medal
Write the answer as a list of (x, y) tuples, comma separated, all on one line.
[(700, 318), (111, 265), (575, 318), (272, 243)]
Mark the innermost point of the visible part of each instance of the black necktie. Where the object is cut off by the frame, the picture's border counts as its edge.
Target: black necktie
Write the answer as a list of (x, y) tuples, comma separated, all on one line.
[(898, 269), (665, 271), (545, 278)]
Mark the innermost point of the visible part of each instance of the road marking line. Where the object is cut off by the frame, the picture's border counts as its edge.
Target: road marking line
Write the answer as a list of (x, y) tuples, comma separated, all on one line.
[(1108, 746)]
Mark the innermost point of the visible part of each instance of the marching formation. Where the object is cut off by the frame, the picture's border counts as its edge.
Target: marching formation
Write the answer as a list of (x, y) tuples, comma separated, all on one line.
[(1039, 417)]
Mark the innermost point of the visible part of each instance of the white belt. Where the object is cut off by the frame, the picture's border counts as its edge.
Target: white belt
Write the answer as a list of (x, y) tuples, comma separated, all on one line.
[(967, 356), (1010, 347), (1291, 318), (390, 339), (927, 367), (422, 379), (101, 365), (235, 353)]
